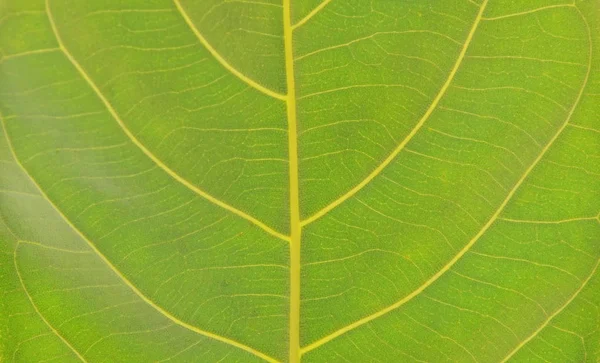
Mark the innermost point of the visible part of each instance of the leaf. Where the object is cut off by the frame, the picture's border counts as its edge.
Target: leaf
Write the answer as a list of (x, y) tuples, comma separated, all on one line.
[(226, 180)]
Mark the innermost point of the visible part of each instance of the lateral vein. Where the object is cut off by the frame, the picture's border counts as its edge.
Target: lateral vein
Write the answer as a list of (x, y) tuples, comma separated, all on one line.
[(123, 278), (311, 14), (145, 150), (413, 132), (482, 231), (38, 312), (249, 81), (549, 319)]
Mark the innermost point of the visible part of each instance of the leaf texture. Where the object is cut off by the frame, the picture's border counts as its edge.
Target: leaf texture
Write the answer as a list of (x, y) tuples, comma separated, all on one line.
[(299, 180)]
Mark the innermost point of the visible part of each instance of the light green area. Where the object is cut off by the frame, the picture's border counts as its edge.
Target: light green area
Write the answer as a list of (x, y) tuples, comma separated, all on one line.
[(144, 197)]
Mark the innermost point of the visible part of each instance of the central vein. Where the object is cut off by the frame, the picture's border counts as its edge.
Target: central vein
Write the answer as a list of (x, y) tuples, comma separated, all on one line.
[(295, 228)]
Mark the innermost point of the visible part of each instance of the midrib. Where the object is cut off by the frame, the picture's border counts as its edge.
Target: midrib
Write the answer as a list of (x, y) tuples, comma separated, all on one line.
[(295, 228)]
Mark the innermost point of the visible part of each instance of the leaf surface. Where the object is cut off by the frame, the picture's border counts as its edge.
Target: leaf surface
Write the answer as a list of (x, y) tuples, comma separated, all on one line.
[(299, 180)]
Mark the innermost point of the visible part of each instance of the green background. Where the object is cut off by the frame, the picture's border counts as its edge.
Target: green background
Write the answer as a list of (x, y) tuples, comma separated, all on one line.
[(478, 241)]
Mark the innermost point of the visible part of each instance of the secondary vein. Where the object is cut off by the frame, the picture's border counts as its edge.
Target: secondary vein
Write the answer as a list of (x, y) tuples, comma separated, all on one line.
[(222, 60), (38, 312), (118, 273), (314, 12), (485, 227), (412, 133), (143, 148)]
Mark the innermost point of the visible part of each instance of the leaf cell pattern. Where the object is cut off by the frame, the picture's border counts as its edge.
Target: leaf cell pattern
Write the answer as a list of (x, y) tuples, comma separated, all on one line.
[(299, 180)]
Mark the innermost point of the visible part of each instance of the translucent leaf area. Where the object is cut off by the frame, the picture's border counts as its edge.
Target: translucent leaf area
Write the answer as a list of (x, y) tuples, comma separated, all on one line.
[(299, 181)]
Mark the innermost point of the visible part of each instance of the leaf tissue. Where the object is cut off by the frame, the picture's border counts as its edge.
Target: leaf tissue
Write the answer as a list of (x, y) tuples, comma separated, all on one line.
[(299, 181)]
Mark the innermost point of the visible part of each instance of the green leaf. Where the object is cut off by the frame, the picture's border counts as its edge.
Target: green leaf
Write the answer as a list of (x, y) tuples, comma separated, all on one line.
[(286, 180)]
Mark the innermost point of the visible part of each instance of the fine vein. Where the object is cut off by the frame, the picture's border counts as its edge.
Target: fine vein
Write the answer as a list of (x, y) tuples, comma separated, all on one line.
[(38, 312), (311, 14), (547, 321), (481, 232), (141, 146), (413, 132), (122, 276), (222, 60)]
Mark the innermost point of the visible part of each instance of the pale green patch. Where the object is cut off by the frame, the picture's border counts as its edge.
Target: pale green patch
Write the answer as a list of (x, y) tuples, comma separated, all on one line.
[(299, 180)]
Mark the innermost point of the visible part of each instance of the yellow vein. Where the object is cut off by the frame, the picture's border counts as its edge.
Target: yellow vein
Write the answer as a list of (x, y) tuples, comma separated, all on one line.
[(31, 52), (560, 221), (295, 226), (52, 248), (311, 14), (413, 132), (484, 229), (148, 153), (34, 306), (583, 127), (123, 277), (535, 333), (220, 59), (530, 11)]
